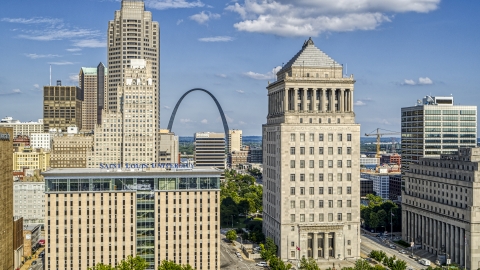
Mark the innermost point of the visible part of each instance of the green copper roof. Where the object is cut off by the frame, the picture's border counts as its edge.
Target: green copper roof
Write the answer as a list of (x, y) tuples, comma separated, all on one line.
[(92, 71)]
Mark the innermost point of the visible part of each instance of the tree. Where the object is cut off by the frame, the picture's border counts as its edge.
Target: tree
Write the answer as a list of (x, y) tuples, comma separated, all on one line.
[(382, 218), (374, 221), (399, 265), (269, 250), (309, 264), (101, 266), (231, 235), (362, 265), (169, 265), (133, 263), (277, 264)]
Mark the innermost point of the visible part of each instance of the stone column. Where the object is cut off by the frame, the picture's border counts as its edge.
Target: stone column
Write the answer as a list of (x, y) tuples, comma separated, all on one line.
[(316, 95), (462, 246), (342, 100), (325, 245), (315, 246), (323, 100), (351, 100), (304, 99), (457, 245), (295, 99), (331, 101), (285, 100)]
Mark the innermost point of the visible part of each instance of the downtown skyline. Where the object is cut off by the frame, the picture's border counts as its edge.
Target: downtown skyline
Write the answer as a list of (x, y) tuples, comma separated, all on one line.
[(398, 53)]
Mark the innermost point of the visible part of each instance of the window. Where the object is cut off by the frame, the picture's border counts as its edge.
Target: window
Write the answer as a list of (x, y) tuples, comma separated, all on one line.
[(349, 217), (302, 177), (302, 204), (339, 203), (349, 163), (349, 137), (292, 150), (349, 203), (330, 204), (292, 244), (320, 177), (292, 163), (320, 203), (349, 150), (311, 218), (292, 217), (330, 190), (302, 137), (339, 216), (330, 137), (330, 150), (330, 177), (339, 163), (292, 228), (339, 177), (302, 217), (339, 150), (302, 163), (330, 164), (320, 190), (330, 217), (292, 254), (320, 136), (339, 190), (339, 137), (302, 191), (292, 204), (292, 177), (302, 150), (349, 190), (311, 177), (292, 191), (311, 163), (320, 217), (320, 163), (292, 137), (311, 135), (349, 251), (349, 242), (311, 203), (312, 151), (349, 177), (320, 150), (311, 191)]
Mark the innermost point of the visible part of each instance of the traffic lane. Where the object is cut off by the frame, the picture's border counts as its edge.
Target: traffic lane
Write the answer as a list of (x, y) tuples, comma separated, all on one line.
[(371, 244)]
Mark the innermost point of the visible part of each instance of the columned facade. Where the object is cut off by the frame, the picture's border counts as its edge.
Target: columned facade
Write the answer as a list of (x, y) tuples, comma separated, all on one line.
[(311, 161)]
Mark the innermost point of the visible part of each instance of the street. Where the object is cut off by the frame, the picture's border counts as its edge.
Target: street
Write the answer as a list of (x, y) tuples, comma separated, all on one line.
[(229, 260)]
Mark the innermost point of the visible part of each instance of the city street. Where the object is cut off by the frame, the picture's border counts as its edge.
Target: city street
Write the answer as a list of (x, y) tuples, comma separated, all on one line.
[(230, 261)]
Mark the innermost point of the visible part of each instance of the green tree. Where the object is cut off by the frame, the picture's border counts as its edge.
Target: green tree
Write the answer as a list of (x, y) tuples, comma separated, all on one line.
[(269, 250), (374, 200), (309, 264), (382, 218), (231, 235), (374, 221), (133, 263), (101, 266), (169, 265), (362, 265), (399, 265), (276, 263)]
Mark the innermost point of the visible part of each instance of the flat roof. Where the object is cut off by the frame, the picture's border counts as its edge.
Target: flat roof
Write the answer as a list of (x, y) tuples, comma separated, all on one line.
[(90, 172)]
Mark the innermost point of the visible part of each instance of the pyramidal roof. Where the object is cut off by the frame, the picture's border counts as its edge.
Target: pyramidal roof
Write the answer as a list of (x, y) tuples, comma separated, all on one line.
[(311, 56)]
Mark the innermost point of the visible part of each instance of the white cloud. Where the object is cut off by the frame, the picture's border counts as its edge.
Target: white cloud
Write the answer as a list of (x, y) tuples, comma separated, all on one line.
[(36, 56), (312, 17), (265, 76), (73, 78), (204, 121), (73, 50), (35, 20), (90, 43), (179, 22), (241, 123), (360, 103), (36, 86), (221, 75), (425, 80), (167, 4), (421, 81), (216, 39), (185, 120), (166, 107), (13, 92), (240, 91), (204, 17), (62, 63), (16, 91)]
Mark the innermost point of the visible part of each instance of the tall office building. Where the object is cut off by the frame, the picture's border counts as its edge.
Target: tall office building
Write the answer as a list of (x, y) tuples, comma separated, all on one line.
[(131, 35), (6, 197), (234, 140), (62, 107), (209, 149), (311, 153), (93, 82), (436, 126), (95, 215)]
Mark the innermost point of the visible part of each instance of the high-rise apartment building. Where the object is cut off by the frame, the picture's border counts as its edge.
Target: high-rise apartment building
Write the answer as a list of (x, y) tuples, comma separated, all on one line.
[(93, 82), (95, 215), (209, 149), (131, 35), (234, 140), (6, 197), (311, 153), (62, 107), (440, 206), (436, 126), (22, 128)]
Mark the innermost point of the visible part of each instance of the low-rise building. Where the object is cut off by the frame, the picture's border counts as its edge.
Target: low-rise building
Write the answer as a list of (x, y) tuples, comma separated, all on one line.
[(31, 236), (28, 158), (41, 140), (22, 128), (369, 161), (72, 151), (440, 206), (29, 201), (21, 141), (381, 182), (238, 157), (255, 155), (391, 158)]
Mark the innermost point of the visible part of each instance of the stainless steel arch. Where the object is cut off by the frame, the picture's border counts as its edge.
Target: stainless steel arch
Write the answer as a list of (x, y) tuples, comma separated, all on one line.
[(220, 110)]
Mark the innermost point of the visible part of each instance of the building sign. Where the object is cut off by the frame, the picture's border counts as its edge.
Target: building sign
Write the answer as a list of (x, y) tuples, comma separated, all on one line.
[(146, 166), (4, 137)]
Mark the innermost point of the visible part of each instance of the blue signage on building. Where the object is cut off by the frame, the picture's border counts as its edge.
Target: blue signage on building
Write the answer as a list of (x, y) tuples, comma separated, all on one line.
[(146, 166)]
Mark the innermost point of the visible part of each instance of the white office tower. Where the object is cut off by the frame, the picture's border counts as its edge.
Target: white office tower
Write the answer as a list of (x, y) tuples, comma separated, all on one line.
[(128, 135), (311, 153)]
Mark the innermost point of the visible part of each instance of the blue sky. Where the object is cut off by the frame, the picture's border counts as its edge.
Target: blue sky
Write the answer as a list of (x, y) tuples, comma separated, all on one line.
[(398, 51)]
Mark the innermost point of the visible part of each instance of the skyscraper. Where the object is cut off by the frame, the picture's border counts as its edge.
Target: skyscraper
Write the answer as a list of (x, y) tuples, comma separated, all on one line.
[(92, 82), (6, 197), (62, 107), (311, 153)]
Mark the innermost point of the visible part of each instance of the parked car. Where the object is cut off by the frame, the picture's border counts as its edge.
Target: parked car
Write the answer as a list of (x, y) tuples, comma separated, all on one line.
[(424, 262), (392, 246), (262, 264)]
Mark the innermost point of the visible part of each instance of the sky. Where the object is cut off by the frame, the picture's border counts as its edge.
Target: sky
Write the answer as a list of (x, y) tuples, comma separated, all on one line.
[(398, 51)]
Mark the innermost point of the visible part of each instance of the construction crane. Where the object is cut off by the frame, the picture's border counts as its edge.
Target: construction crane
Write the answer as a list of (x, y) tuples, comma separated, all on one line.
[(379, 135)]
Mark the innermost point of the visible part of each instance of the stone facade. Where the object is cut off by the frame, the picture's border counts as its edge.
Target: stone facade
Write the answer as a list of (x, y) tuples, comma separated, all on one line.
[(311, 153), (72, 151), (29, 201), (22, 128), (6, 197), (28, 158), (440, 206)]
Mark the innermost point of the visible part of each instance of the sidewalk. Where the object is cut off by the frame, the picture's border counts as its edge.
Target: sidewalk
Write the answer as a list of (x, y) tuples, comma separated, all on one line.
[(28, 263)]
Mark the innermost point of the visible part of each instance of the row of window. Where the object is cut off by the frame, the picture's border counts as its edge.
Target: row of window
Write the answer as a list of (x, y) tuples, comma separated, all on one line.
[(311, 204), (311, 190), (311, 163), (311, 177), (321, 217), (311, 137), (311, 150)]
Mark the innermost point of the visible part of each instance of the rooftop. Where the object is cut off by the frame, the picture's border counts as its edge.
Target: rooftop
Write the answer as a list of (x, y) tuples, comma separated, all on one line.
[(311, 56)]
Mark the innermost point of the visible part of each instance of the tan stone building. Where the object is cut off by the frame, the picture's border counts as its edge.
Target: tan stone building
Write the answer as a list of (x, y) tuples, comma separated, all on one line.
[(6, 197), (209, 149), (62, 107), (440, 206), (93, 82), (31, 159), (96, 215), (311, 152), (168, 147), (234, 140), (71, 151)]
